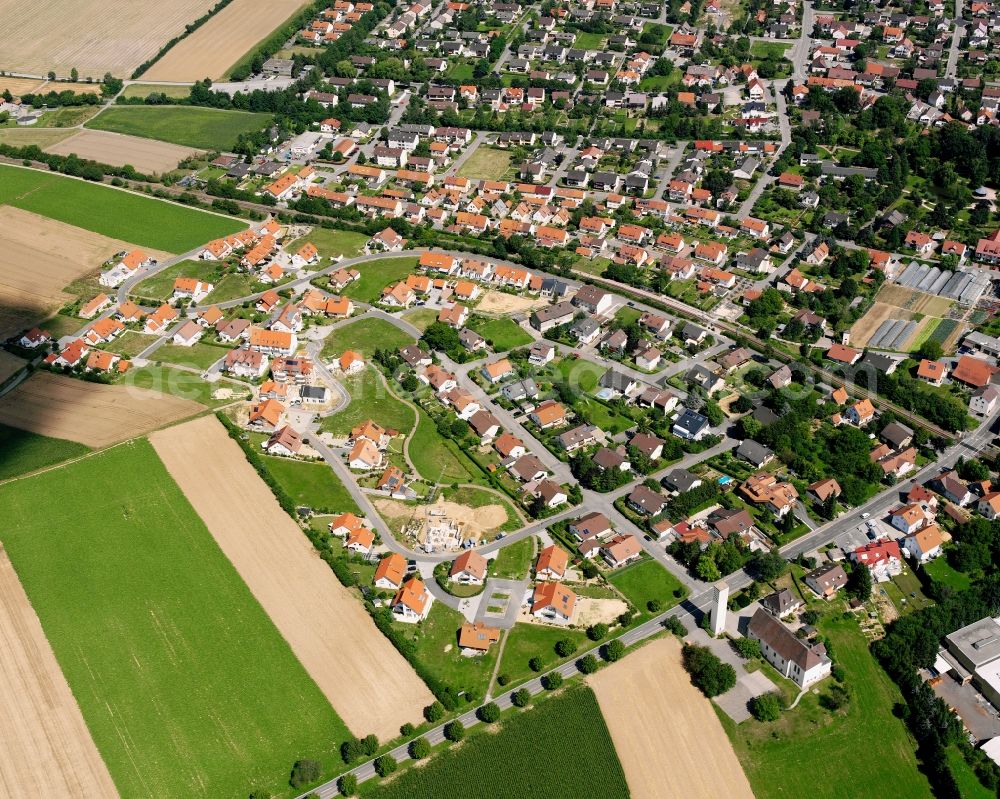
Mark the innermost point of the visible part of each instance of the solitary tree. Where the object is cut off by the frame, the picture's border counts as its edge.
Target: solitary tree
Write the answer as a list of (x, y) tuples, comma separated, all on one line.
[(766, 707), (489, 713), (420, 748), (454, 731), (74, 75), (565, 647), (304, 772), (385, 765), (347, 784), (614, 650), (434, 712), (595, 632), (521, 697), (859, 584), (552, 681), (588, 664)]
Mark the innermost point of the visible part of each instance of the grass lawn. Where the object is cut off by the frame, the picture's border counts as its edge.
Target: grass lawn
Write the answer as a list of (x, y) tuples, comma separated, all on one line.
[(161, 285), (512, 562), (580, 374), (659, 83), (941, 572), (608, 419), (804, 752), (436, 640), (184, 682), (67, 116), (645, 581), (579, 758), (588, 41), (199, 356), (178, 383), (61, 325), (376, 275), (130, 343), (461, 70), (772, 50), (421, 318), (311, 484), (112, 212), (486, 163), (435, 458), (231, 287), (969, 786), (369, 400), (22, 452), (502, 334), (364, 336), (528, 640), (331, 243), (204, 128)]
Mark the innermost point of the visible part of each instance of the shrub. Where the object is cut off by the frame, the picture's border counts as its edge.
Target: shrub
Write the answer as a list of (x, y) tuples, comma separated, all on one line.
[(503, 679), (420, 748), (614, 650), (454, 731), (489, 713), (565, 647), (406, 729), (676, 626), (595, 632), (837, 697), (535, 664), (747, 648), (766, 707), (552, 681), (385, 765), (347, 784), (369, 745), (350, 750), (304, 772), (434, 712), (588, 664), (521, 697), (655, 606)]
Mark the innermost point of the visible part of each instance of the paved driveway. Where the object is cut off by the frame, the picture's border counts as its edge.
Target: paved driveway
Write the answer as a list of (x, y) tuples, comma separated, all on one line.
[(505, 594)]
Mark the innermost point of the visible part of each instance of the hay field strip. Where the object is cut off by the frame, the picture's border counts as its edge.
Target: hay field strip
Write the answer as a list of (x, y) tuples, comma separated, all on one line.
[(92, 37), (47, 748), (148, 222), (89, 413), (146, 155), (368, 683), (185, 684), (653, 711), (222, 41)]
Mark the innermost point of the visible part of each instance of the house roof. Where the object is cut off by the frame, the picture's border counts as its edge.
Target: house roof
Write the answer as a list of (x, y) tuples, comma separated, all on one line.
[(471, 562), (392, 568), (778, 637), (552, 559), (553, 595), (973, 371), (477, 636), (413, 594)]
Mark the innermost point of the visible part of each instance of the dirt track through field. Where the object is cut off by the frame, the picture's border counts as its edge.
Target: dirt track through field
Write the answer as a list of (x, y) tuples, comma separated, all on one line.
[(117, 149), (90, 413), (667, 736), (217, 45), (368, 683), (46, 747), (90, 36), (57, 254)]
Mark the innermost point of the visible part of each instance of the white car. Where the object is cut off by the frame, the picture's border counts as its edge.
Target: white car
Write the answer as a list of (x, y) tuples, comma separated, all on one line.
[(865, 515)]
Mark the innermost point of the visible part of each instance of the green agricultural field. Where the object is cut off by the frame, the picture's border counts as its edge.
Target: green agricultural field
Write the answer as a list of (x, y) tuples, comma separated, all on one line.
[(161, 285), (579, 758), (184, 682), (187, 385), (645, 581), (198, 356), (311, 484), (22, 452), (111, 212), (67, 116), (332, 243), (370, 399), (513, 561), (436, 643), (486, 163), (364, 336), (804, 752), (40, 137), (204, 128), (146, 89), (436, 458), (502, 334), (528, 640), (376, 275)]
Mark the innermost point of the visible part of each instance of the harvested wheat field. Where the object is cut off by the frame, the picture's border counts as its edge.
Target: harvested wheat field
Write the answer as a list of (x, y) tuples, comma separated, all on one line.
[(47, 748), (90, 36), (146, 155), (368, 683), (501, 304), (89, 413), (9, 364), (58, 254), (652, 711), (217, 45), (19, 86)]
